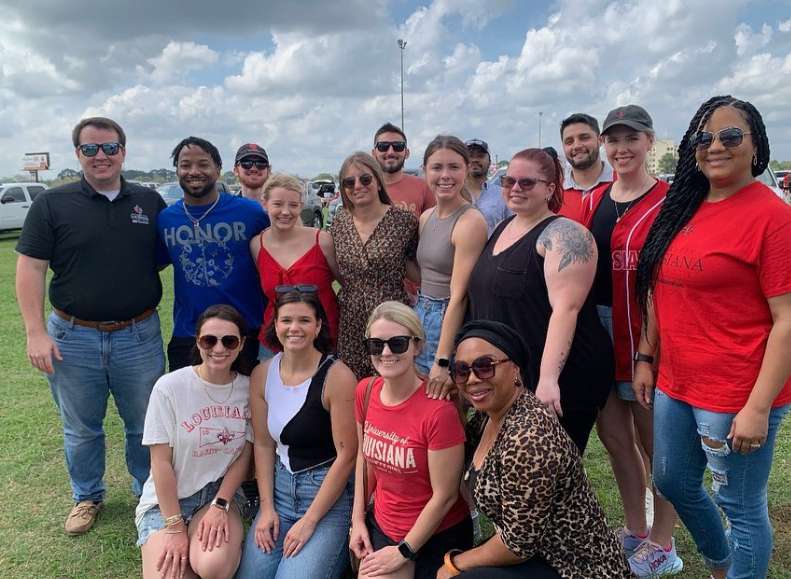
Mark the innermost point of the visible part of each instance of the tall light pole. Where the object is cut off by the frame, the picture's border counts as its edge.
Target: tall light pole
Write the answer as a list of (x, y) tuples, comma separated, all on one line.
[(540, 114), (402, 46)]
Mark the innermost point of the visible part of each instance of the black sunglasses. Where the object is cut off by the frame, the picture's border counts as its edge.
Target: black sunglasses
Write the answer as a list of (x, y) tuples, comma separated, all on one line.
[(482, 367), (384, 146), (92, 149), (525, 183), (208, 341), (730, 137), (248, 164), (397, 344), (365, 180), (304, 288)]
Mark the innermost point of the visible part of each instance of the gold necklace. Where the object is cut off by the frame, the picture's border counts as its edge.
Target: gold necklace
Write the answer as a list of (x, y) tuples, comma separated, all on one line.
[(200, 376), (196, 221), (618, 214)]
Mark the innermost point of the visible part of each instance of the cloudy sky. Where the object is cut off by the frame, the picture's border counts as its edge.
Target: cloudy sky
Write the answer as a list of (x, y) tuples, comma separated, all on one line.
[(312, 80)]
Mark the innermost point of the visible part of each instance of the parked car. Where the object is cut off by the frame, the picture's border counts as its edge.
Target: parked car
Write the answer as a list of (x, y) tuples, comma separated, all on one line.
[(15, 200), (313, 209), (667, 177), (495, 178), (324, 189), (768, 178), (172, 192), (332, 208), (784, 179)]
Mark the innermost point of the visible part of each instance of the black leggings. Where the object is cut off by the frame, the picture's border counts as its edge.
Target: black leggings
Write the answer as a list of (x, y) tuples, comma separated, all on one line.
[(578, 424), (534, 568)]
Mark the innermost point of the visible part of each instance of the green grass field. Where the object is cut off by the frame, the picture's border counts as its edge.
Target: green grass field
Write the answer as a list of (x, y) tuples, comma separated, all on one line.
[(36, 497)]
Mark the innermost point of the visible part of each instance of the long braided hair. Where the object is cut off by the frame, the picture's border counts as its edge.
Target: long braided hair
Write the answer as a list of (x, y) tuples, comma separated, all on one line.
[(689, 189)]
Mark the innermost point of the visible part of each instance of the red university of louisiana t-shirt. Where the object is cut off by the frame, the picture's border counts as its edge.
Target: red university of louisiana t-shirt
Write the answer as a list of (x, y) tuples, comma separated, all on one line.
[(711, 299), (396, 441), (412, 193)]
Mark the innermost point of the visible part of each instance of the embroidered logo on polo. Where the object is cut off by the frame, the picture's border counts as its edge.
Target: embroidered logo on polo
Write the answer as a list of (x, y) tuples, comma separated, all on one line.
[(138, 216)]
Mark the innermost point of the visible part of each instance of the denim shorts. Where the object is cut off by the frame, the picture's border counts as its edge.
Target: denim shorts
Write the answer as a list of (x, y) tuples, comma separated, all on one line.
[(622, 389), (431, 312), (153, 520)]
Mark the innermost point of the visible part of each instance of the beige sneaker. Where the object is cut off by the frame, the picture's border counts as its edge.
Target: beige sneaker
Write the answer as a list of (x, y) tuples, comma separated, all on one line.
[(81, 518)]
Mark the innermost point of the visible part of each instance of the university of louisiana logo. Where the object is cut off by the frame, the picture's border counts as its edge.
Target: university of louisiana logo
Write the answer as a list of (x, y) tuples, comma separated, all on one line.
[(138, 216), (216, 436)]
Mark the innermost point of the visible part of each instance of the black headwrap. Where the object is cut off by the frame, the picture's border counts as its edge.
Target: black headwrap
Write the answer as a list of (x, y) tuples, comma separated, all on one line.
[(504, 338)]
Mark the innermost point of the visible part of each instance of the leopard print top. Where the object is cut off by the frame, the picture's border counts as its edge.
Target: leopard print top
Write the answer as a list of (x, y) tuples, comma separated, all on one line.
[(533, 487)]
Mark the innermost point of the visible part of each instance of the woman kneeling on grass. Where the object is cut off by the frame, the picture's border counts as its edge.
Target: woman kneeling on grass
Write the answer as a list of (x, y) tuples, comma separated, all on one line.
[(198, 429)]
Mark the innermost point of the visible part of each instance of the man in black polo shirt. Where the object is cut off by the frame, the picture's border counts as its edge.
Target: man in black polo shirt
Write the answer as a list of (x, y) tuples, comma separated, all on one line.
[(103, 336)]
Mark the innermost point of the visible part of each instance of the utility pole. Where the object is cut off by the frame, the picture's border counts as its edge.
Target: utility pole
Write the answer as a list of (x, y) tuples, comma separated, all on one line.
[(540, 114), (402, 46)]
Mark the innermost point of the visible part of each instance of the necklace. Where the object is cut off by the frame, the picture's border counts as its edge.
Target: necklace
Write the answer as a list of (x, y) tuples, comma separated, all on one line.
[(511, 227), (196, 221), (206, 389), (618, 214), (488, 437)]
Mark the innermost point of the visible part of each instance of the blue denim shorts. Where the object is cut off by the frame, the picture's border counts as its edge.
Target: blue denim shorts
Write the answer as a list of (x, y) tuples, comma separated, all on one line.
[(153, 520), (622, 389), (431, 312)]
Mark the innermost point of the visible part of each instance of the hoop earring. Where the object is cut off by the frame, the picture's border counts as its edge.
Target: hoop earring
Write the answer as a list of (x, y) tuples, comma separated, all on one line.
[(697, 167), (755, 161)]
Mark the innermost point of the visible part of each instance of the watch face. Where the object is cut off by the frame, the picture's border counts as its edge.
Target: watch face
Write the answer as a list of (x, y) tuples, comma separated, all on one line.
[(406, 550)]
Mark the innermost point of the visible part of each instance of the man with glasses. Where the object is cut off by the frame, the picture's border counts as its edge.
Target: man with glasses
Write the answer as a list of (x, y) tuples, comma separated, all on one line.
[(98, 236), (252, 169), (487, 197), (406, 191)]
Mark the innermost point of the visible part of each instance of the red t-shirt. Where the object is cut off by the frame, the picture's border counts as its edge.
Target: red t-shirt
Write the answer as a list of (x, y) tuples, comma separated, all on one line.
[(572, 205), (412, 193), (396, 441), (711, 299)]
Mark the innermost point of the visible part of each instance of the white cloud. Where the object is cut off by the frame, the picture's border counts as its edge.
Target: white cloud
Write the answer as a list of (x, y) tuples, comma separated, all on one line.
[(748, 42), (178, 58)]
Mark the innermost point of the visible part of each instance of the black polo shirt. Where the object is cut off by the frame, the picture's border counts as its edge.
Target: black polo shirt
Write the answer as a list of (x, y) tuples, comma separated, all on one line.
[(102, 252)]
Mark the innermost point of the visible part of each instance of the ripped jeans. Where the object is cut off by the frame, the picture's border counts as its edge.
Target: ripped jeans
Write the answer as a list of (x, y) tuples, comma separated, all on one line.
[(738, 483)]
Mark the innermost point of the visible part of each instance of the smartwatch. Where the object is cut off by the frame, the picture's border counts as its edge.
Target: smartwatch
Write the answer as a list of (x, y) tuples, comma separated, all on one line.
[(406, 551), (443, 362), (638, 357), (221, 504)]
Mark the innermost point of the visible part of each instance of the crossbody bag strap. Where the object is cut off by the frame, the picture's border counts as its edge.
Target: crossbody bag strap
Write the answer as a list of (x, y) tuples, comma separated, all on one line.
[(365, 412)]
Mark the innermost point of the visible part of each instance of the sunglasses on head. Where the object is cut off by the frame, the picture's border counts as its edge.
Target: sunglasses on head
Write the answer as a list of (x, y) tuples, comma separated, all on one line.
[(304, 288), (92, 149), (365, 180), (208, 341), (397, 344), (384, 146), (730, 137), (525, 183), (247, 164), (482, 367)]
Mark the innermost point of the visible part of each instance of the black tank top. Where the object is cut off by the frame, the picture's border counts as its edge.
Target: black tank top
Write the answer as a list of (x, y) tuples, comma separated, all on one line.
[(510, 288)]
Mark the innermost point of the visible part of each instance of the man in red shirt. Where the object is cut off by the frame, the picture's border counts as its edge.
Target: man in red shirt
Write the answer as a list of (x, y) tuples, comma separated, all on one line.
[(580, 136), (406, 191)]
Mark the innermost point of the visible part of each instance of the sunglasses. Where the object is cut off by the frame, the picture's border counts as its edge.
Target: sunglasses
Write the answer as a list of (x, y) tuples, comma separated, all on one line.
[(384, 146), (397, 344), (247, 164), (229, 342), (304, 288), (525, 183), (730, 137), (482, 367), (92, 149), (365, 180)]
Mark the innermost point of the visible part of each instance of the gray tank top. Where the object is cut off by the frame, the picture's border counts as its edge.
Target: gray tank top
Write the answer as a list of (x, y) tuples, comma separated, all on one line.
[(435, 253)]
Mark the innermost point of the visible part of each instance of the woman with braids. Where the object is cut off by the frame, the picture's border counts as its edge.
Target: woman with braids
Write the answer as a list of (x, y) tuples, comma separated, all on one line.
[(714, 279), (535, 274), (619, 215)]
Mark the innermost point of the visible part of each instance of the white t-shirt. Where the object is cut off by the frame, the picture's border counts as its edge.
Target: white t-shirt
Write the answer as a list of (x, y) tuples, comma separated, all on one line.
[(206, 436)]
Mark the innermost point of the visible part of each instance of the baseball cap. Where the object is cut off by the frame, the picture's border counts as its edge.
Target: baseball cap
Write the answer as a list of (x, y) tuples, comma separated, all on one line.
[(633, 116), (251, 150), (478, 143)]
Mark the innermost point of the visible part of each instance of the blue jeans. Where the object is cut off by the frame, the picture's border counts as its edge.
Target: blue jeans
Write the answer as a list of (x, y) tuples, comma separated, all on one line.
[(95, 364), (430, 311), (622, 389), (739, 484), (325, 555)]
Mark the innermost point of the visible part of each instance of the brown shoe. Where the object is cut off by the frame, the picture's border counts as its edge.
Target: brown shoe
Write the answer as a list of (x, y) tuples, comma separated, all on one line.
[(81, 518)]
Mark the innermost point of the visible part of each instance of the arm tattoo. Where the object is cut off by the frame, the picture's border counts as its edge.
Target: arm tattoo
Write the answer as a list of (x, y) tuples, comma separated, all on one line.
[(573, 242), (564, 356)]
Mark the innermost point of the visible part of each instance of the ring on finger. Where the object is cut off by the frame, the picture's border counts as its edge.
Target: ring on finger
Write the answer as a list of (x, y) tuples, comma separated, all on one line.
[(755, 445)]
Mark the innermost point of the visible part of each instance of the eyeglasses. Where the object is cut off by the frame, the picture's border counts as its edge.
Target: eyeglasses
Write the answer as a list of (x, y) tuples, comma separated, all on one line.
[(397, 344), (384, 146), (304, 288), (525, 183), (482, 367), (247, 164), (730, 137), (229, 342), (92, 149), (365, 180)]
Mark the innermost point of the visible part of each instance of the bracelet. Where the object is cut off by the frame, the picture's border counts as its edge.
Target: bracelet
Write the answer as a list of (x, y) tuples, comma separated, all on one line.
[(449, 562), (174, 520), (175, 532)]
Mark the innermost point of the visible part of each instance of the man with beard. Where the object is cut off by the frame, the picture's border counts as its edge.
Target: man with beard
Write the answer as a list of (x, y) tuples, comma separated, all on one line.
[(252, 169), (206, 236), (406, 191), (580, 136), (487, 197)]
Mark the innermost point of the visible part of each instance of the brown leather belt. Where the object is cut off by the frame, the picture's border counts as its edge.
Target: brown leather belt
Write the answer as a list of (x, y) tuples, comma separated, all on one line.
[(104, 326)]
